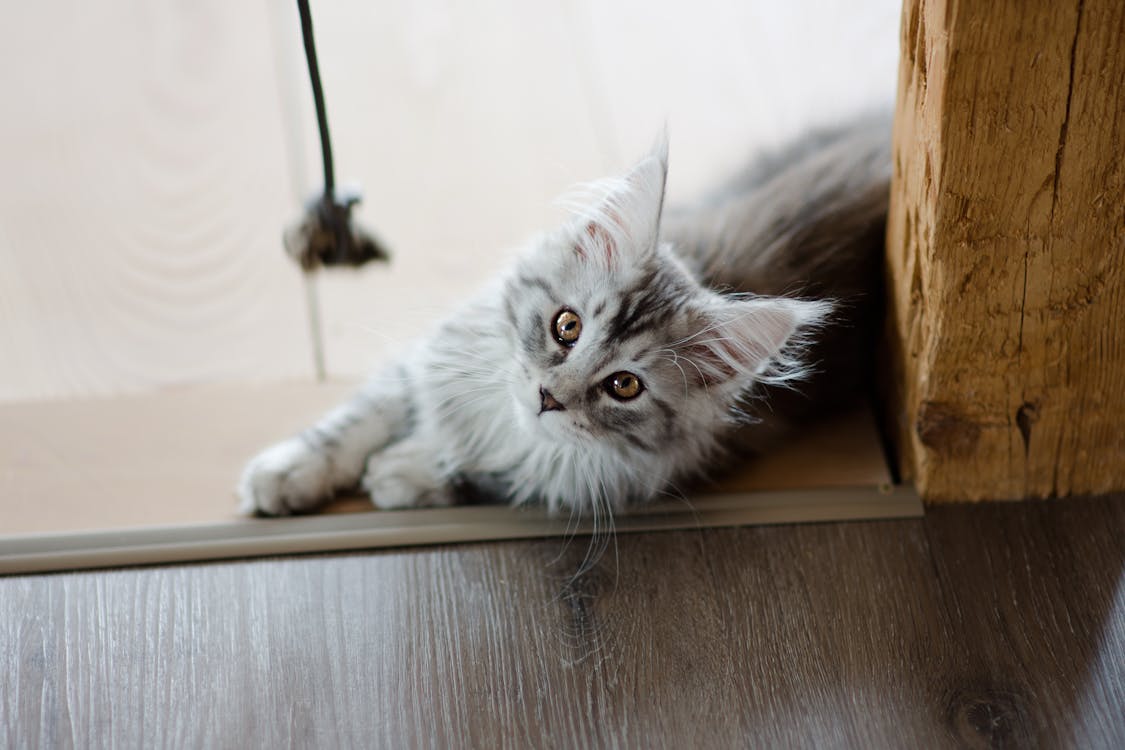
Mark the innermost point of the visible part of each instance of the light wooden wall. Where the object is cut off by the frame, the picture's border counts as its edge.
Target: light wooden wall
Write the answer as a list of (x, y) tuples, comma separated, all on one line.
[(1006, 246), (147, 158)]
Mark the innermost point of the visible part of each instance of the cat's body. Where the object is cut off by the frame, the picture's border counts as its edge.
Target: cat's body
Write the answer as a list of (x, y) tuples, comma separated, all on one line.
[(612, 359)]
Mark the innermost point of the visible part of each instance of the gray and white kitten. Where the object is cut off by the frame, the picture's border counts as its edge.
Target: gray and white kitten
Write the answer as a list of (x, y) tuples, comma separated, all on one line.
[(623, 351)]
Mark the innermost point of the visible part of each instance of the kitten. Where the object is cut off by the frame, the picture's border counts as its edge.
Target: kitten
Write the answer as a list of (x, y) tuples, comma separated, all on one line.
[(621, 351)]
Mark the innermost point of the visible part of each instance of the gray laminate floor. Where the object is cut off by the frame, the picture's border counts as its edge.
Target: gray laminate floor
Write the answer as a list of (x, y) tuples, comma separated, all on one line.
[(992, 625)]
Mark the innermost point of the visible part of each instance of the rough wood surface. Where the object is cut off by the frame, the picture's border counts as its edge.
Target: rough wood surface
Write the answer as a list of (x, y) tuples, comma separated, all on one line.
[(1006, 248), (981, 626)]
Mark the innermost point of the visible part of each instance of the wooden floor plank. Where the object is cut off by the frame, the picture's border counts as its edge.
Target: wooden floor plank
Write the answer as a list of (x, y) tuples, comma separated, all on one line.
[(985, 626), (1036, 595)]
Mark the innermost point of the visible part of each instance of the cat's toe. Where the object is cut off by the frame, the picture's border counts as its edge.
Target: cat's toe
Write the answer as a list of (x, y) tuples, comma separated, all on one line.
[(286, 478), (397, 484)]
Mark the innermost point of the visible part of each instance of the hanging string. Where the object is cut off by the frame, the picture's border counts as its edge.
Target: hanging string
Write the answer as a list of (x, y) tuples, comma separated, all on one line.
[(318, 96), (325, 235)]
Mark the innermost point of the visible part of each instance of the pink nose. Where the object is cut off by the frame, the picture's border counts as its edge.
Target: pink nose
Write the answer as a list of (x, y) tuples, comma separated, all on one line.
[(547, 402)]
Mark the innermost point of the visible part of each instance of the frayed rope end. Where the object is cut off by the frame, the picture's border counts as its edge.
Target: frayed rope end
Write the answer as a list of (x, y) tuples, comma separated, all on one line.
[(327, 236)]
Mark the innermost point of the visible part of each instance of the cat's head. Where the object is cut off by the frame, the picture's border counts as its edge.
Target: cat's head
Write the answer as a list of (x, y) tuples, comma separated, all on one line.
[(620, 347)]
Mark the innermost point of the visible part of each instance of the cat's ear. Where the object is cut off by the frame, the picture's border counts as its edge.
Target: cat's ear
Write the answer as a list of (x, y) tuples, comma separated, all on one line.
[(759, 339), (624, 220)]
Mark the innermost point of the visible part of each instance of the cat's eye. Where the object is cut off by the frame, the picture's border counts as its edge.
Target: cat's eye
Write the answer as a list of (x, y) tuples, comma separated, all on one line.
[(623, 386), (567, 327)]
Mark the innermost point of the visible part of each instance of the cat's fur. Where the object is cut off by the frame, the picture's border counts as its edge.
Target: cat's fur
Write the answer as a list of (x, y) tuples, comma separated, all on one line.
[(756, 306)]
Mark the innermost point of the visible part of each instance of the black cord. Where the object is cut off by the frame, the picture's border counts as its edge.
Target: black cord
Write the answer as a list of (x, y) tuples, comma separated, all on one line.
[(326, 236), (318, 96)]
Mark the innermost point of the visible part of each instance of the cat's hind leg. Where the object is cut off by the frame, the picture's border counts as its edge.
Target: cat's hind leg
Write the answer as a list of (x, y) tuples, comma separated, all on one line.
[(303, 472)]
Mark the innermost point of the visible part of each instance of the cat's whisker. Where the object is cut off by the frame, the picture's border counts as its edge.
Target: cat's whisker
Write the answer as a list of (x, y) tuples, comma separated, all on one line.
[(446, 413), (453, 375), (672, 490), (483, 392), (478, 386), (451, 407), (612, 523), (364, 328), (675, 360), (595, 515), (462, 355), (461, 358), (602, 512), (691, 338), (615, 284), (422, 377), (434, 371), (573, 522)]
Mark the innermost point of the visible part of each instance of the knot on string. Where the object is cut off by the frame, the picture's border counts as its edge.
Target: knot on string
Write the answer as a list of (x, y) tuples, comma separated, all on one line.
[(327, 236)]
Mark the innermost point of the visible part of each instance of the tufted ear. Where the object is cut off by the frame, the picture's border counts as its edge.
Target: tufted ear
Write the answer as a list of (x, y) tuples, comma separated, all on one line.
[(757, 339), (624, 220)]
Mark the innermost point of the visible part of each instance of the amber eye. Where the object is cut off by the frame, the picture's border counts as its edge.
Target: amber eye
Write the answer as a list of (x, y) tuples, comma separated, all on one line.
[(568, 327), (623, 386)]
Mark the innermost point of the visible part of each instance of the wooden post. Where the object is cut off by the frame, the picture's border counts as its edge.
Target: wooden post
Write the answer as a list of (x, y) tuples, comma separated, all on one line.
[(1006, 248)]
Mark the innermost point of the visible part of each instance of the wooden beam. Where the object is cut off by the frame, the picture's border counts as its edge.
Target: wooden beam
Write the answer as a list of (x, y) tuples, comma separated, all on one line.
[(1006, 248)]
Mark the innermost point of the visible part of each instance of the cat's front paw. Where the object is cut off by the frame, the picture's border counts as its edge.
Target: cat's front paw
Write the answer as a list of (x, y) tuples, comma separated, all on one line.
[(290, 477), (401, 477)]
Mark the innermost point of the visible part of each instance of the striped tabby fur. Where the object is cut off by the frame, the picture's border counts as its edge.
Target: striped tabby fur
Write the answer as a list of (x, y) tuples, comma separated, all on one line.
[(737, 318)]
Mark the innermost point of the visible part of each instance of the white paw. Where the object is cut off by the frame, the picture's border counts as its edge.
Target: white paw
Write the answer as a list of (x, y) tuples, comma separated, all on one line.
[(399, 478), (285, 478)]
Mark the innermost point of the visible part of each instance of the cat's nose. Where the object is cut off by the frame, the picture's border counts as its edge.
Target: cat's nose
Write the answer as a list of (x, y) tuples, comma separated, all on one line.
[(547, 402)]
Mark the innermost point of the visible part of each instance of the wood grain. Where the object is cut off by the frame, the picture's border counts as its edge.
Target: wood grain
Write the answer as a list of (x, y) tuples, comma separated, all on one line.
[(983, 626), (143, 188), (1006, 248), (153, 154), (151, 478), (1036, 600), (159, 152)]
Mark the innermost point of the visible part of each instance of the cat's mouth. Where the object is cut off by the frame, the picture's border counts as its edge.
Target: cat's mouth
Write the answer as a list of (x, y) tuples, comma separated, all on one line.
[(548, 402), (552, 420), (544, 415)]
